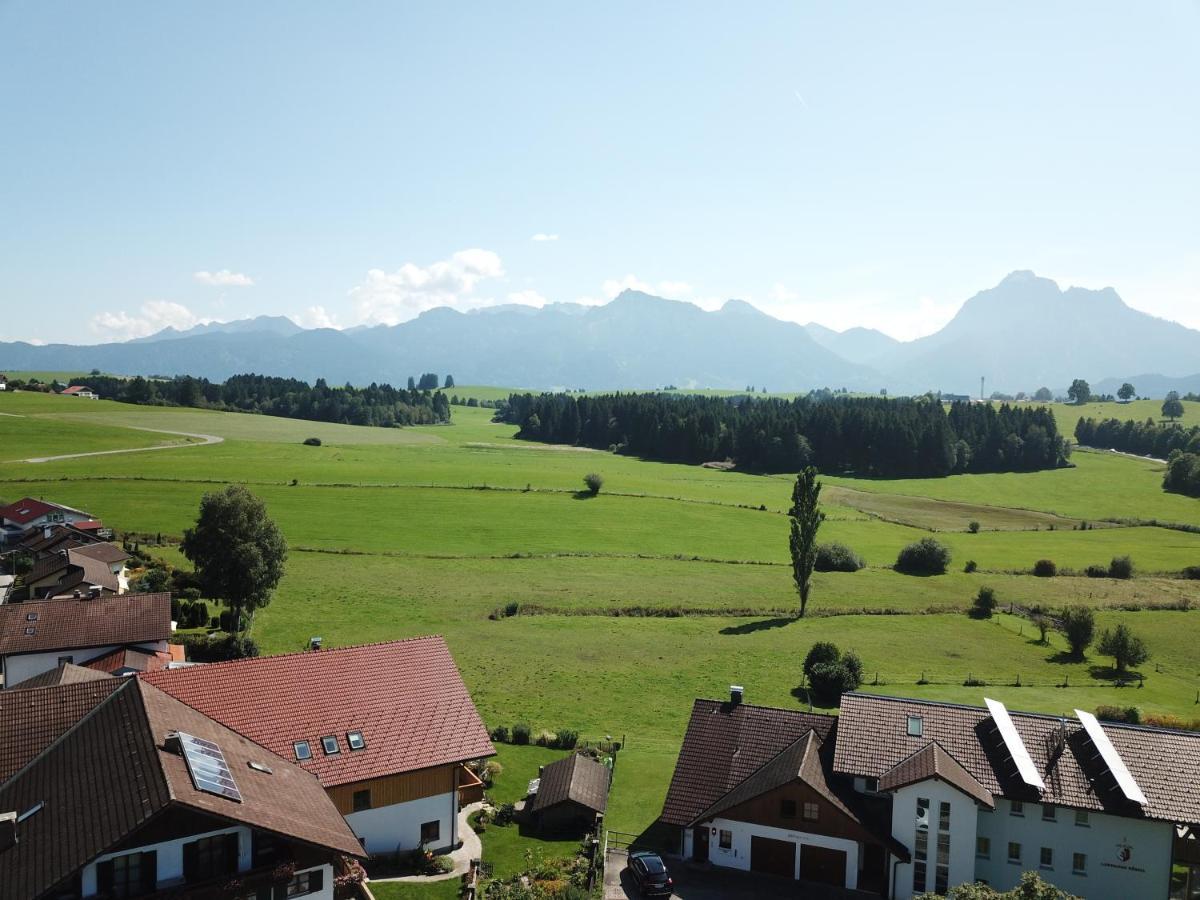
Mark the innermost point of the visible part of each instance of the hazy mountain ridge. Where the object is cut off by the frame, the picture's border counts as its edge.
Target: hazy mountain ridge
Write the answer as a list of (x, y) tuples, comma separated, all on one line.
[(1022, 334)]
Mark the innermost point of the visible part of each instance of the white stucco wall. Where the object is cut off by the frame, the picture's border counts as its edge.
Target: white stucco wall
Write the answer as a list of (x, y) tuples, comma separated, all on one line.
[(19, 667), (387, 829), (738, 855), (963, 813), (1146, 873)]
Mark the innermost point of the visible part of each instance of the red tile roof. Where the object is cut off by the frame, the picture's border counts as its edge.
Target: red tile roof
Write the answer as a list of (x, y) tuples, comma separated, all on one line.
[(406, 697), (727, 743), (25, 510), (77, 389), (68, 624), (128, 658), (873, 738)]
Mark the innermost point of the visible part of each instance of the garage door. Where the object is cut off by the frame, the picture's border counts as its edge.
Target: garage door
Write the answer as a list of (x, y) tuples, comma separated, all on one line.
[(823, 865), (773, 857)]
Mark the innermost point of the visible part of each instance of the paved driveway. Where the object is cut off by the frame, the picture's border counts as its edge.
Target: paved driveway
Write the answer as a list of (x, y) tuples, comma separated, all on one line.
[(694, 882)]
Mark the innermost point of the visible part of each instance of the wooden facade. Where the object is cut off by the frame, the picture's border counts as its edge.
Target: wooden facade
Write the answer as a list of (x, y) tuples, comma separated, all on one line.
[(397, 788)]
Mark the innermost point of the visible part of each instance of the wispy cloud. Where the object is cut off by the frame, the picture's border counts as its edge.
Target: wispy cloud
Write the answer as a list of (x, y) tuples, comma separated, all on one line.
[(388, 298), (152, 317), (317, 317), (542, 236), (223, 278), (527, 298)]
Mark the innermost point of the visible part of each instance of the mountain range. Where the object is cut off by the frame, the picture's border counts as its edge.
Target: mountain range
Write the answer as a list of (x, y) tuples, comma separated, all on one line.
[(1022, 334)]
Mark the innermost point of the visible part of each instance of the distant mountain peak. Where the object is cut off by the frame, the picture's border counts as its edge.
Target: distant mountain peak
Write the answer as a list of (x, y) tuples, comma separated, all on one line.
[(740, 307)]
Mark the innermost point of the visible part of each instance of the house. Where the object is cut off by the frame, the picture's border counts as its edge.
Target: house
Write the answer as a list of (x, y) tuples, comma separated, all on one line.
[(571, 793), (16, 519), (38, 636), (955, 793), (76, 570), (3, 382), (80, 390), (114, 789), (42, 542), (386, 728)]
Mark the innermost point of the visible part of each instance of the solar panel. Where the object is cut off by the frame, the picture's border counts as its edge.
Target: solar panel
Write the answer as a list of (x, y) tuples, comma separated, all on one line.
[(1111, 757), (206, 764), (1016, 747)]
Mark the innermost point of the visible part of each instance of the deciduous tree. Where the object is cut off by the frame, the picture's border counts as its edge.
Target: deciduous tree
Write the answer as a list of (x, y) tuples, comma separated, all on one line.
[(806, 518)]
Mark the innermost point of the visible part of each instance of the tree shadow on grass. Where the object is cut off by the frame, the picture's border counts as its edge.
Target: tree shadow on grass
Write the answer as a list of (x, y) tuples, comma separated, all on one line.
[(1110, 673), (584, 495), (1063, 657), (758, 625), (808, 698)]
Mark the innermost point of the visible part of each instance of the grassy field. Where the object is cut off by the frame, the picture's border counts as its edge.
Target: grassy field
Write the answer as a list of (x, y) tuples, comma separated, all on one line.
[(670, 585)]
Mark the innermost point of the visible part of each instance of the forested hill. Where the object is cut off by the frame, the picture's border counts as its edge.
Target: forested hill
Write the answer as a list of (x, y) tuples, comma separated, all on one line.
[(378, 404), (864, 435)]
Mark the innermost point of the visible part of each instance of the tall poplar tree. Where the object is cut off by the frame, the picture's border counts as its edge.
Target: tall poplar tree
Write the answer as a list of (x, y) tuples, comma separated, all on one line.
[(806, 518)]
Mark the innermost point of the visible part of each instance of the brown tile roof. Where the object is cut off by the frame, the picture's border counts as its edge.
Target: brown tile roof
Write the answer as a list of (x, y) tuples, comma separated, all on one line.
[(406, 697), (47, 566), (932, 761), (575, 777), (32, 720), (724, 745), (128, 658), (111, 774), (67, 673), (38, 543), (103, 551), (872, 738), (67, 624)]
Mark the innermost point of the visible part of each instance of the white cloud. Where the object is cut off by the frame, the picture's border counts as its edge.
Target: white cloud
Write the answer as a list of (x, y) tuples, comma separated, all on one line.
[(153, 316), (527, 298), (317, 317), (389, 298), (542, 236), (224, 278)]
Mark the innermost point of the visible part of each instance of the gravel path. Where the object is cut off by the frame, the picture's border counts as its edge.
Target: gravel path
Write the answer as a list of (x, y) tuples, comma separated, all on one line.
[(203, 440)]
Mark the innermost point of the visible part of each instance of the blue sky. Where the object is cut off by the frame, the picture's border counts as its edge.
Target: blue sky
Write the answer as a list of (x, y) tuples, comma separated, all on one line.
[(167, 163)]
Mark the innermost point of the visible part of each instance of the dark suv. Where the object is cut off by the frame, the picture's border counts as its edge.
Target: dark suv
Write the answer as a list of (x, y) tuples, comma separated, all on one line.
[(650, 874)]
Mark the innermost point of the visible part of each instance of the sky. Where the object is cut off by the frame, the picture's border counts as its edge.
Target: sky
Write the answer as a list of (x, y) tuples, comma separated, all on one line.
[(348, 164)]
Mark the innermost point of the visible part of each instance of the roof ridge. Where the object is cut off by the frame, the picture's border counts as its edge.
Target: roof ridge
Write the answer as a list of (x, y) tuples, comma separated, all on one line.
[(782, 709)]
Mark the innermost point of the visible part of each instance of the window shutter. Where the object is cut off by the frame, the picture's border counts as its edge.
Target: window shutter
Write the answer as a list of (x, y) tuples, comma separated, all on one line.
[(149, 871), (316, 881), (189, 861), (231, 852), (104, 878)]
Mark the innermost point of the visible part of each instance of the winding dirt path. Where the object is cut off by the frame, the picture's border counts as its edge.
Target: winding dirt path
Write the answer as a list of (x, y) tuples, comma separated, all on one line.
[(202, 440)]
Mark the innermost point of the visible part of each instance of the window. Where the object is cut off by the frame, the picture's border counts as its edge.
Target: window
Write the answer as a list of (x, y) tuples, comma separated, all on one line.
[(305, 883), (1082, 818), (362, 800), (1047, 860), (787, 808), (431, 832), (329, 744), (921, 845), (916, 725), (725, 839), (210, 857), (812, 812), (130, 875), (1014, 852), (303, 751), (1016, 808), (983, 847), (942, 873), (1079, 863), (944, 817), (355, 740), (1049, 814)]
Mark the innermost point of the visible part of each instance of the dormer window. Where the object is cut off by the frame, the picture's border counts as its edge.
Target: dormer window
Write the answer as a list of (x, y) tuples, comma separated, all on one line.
[(303, 751), (355, 740), (916, 726), (329, 744)]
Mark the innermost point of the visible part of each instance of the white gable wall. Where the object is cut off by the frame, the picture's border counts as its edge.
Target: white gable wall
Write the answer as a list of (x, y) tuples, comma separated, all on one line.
[(963, 813)]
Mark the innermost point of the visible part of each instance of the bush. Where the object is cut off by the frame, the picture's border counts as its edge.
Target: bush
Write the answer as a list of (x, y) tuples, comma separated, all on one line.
[(520, 733), (837, 558), (201, 648), (829, 681), (1045, 568), (440, 865), (1125, 647), (1121, 567), (924, 557), (971, 566), (1127, 714), (985, 604), (544, 738), (973, 527), (566, 739), (500, 734), (820, 652), (226, 622), (189, 593), (594, 482), (505, 814), (312, 442), (1192, 573), (1096, 571)]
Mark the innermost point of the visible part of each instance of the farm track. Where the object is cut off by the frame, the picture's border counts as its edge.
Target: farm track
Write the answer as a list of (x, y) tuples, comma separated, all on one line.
[(201, 441)]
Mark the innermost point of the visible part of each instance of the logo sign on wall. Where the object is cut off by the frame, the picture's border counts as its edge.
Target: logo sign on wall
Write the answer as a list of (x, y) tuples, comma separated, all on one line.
[(1124, 855)]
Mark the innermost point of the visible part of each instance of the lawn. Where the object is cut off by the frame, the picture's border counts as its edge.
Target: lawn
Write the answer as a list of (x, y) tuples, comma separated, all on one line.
[(671, 585), (398, 890)]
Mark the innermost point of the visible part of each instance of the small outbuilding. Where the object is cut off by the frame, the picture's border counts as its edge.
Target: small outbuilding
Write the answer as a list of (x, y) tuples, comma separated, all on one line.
[(570, 794)]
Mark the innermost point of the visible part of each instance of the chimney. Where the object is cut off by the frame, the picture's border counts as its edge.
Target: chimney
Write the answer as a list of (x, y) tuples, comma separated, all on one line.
[(8, 830), (736, 691), (314, 643), (94, 593)]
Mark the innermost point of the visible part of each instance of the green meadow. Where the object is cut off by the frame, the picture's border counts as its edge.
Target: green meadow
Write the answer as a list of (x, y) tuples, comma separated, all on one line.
[(610, 614)]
